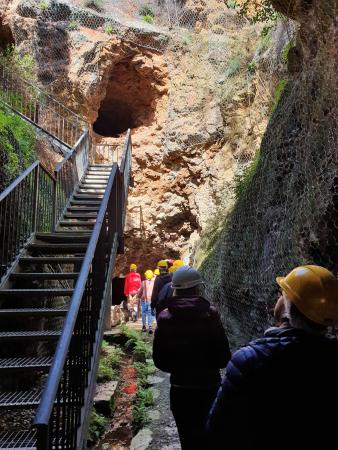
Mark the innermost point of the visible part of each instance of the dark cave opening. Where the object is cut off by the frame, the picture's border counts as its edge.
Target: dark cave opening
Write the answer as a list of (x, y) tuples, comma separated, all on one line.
[(114, 119), (129, 102), (6, 36)]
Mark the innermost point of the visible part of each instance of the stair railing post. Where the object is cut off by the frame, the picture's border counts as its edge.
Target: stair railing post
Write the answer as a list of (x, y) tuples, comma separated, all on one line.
[(54, 201), (36, 198)]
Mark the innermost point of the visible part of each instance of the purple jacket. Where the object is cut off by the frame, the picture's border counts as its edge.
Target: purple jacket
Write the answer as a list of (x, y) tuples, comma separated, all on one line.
[(190, 342)]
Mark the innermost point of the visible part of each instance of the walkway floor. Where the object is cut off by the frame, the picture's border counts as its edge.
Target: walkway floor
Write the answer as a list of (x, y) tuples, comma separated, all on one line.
[(161, 433)]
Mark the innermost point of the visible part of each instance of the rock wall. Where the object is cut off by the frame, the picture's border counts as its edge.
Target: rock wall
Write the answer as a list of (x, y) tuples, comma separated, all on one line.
[(286, 214)]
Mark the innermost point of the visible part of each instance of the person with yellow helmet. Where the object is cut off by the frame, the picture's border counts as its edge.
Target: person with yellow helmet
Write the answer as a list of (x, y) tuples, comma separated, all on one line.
[(132, 285), (157, 272), (294, 365), (144, 294), (160, 281)]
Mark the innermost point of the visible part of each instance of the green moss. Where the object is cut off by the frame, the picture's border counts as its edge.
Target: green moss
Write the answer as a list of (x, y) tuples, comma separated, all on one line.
[(73, 25), (148, 19), (243, 180), (109, 29), (286, 50), (278, 93)]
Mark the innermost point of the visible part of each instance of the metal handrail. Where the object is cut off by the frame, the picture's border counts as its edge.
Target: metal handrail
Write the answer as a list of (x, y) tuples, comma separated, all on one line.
[(106, 239), (47, 401), (18, 180)]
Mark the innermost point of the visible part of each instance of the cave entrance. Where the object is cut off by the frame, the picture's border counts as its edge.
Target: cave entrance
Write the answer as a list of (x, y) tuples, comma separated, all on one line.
[(129, 102), (6, 36)]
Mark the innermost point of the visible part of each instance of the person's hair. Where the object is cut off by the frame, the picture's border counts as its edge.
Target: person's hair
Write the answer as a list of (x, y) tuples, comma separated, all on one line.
[(163, 269), (196, 290), (298, 320)]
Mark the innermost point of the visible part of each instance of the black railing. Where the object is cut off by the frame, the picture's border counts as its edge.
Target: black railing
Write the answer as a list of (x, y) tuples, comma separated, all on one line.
[(66, 399), (125, 168), (24, 209), (40, 109)]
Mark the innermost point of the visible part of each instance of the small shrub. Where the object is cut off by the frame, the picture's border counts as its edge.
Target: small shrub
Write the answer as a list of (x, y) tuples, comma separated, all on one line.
[(105, 373), (233, 67), (109, 29), (23, 64), (143, 371), (73, 25), (114, 357), (146, 10), (97, 425), (251, 67), (44, 5), (232, 4), (104, 345), (98, 5), (278, 93), (265, 38), (144, 399), (148, 19)]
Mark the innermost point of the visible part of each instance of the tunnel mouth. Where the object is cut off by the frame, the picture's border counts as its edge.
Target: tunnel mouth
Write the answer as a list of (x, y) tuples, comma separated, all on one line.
[(130, 101), (6, 36), (114, 119)]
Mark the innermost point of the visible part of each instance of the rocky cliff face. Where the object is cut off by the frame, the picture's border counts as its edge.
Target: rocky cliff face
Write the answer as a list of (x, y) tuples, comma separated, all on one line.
[(192, 125), (286, 214)]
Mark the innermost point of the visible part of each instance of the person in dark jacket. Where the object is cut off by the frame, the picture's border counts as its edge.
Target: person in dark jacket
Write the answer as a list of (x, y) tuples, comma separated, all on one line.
[(190, 343), (288, 378), (160, 281)]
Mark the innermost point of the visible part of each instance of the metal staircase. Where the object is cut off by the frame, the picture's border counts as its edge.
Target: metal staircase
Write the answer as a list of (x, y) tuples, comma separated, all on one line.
[(59, 236)]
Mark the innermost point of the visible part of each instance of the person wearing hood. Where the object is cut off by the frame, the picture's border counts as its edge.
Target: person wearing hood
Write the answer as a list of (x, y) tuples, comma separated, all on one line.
[(287, 377), (190, 343), (167, 290)]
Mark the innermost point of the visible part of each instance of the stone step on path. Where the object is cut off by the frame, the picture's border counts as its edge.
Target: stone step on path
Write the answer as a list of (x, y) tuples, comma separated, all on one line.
[(161, 433)]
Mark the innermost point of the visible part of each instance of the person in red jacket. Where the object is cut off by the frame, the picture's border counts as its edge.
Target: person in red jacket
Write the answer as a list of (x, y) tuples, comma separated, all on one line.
[(131, 286)]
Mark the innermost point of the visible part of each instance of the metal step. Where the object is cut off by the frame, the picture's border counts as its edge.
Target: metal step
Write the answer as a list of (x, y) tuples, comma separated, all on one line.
[(85, 203), (19, 399), (90, 191), (77, 196), (76, 224), (50, 259), (62, 237), (35, 292), (33, 312), (44, 276), (80, 216), (23, 440), (77, 209), (58, 248), (93, 184), (14, 336), (34, 363)]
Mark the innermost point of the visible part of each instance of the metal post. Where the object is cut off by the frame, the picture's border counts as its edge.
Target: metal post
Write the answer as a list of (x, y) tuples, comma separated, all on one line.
[(36, 198), (54, 202)]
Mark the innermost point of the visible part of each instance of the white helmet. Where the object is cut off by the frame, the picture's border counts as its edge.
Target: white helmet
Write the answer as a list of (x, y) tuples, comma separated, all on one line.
[(186, 277)]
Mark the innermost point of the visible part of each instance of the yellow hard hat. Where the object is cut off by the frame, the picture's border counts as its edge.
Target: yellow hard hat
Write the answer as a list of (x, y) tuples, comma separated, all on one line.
[(157, 272), (172, 269), (133, 266), (314, 290), (178, 263), (162, 263), (149, 274)]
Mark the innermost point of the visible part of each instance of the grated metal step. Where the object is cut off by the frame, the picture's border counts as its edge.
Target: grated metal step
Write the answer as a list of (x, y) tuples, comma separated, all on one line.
[(79, 223), (58, 248), (90, 191), (50, 260), (63, 237), (23, 440), (80, 216), (14, 336), (44, 276), (38, 362), (78, 209), (36, 292), (19, 399), (33, 312), (85, 203), (87, 197)]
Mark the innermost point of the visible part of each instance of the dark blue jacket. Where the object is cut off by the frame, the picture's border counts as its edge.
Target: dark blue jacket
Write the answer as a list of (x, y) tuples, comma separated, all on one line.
[(163, 297), (278, 393), (190, 343)]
